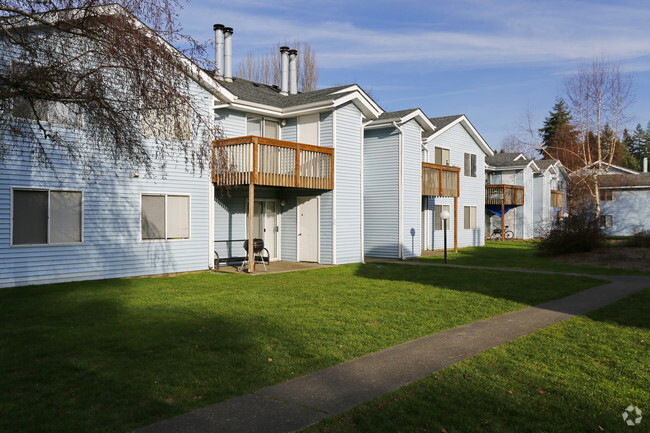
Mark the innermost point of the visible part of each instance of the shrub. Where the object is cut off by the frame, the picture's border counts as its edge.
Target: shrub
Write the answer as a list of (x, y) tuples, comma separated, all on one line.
[(579, 232), (640, 238)]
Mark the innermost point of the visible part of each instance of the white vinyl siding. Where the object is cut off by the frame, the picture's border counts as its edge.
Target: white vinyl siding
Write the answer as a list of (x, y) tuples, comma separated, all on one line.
[(165, 217), (42, 217), (308, 129)]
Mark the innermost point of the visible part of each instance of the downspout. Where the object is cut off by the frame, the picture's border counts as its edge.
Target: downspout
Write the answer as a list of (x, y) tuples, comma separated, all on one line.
[(400, 190)]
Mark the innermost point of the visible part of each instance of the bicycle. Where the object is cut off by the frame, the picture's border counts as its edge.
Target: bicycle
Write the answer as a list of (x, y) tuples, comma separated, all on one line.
[(496, 234)]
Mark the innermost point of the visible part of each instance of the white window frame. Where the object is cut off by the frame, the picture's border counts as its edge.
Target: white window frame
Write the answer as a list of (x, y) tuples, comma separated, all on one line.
[(189, 216), (49, 191), (264, 119), (473, 165), (473, 223), (436, 217), (299, 139), (441, 148)]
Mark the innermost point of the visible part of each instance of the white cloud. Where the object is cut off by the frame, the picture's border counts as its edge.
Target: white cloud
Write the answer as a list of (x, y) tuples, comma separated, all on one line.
[(476, 33)]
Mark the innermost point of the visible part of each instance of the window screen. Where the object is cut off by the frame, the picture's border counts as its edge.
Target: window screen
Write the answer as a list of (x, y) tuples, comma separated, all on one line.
[(442, 156), (30, 217), (469, 217), (254, 126), (178, 217), (308, 129), (470, 165), (437, 220), (153, 217), (65, 217), (271, 129)]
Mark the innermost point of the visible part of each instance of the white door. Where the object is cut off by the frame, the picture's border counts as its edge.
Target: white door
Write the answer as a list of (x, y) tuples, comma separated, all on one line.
[(308, 229), (266, 225)]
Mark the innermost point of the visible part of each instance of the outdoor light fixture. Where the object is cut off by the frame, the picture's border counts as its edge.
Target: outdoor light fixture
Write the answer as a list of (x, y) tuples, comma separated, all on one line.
[(283, 203), (445, 216)]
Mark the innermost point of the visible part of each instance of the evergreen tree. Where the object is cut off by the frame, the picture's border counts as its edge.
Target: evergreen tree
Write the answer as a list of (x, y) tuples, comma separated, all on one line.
[(559, 138), (639, 143), (558, 117)]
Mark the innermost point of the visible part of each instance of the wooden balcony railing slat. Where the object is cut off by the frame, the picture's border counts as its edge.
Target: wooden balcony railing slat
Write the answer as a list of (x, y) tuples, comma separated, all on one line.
[(265, 161), (440, 180), (512, 195)]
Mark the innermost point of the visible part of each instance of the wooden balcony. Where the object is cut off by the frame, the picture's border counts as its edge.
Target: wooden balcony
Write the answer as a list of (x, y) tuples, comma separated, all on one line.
[(265, 161), (557, 198), (440, 180), (507, 195)]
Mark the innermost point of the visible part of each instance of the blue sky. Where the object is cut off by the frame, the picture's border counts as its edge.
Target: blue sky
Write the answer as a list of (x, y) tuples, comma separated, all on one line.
[(492, 60)]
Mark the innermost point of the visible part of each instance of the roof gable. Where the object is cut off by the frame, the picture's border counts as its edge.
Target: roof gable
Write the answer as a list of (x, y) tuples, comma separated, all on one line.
[(445, 123)]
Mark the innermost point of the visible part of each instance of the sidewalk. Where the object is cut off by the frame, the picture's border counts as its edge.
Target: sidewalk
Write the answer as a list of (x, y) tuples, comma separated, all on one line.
[(298, 403)]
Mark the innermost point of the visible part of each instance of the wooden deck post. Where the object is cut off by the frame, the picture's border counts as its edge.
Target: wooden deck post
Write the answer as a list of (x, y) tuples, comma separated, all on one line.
[(455, 224), (503, 215), (251, 229)]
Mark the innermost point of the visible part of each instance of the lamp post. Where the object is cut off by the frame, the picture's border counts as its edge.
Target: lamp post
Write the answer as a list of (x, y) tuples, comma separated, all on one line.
[(445, 216)]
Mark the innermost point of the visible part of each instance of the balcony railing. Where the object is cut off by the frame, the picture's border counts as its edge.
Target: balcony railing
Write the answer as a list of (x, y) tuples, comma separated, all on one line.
[(265, 161), (440, 180), (557, 198), (509, 195)]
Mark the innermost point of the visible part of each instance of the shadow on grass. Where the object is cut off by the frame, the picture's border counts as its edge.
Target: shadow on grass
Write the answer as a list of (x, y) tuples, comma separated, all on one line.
[(84, 360)]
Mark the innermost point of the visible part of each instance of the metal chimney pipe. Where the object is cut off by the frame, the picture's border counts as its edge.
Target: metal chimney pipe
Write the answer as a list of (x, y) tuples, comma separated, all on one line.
[(227, 63), (218, 50), (293, 72), (284, 70), (645, 164)]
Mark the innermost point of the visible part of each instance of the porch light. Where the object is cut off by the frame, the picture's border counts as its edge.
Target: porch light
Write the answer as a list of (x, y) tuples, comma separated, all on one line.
[(445, 216)]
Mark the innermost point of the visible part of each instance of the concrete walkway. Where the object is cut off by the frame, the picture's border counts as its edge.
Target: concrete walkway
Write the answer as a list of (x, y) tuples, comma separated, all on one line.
[(298, 403)]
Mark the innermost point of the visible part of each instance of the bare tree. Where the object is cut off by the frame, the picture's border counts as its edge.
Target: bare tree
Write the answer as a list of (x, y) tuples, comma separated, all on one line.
[(599, 94), (266, 68), (93, 67)]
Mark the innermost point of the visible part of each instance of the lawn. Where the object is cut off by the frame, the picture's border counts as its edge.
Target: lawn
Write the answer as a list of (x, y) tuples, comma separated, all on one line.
[(576, 376), (109, 356), (519, 254)]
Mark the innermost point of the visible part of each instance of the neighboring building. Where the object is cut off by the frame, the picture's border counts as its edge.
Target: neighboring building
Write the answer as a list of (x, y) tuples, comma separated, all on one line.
[(307, 185), (549, 194), (509, 194), (456, 143), (625, 203), (393, 183), (57, 225)]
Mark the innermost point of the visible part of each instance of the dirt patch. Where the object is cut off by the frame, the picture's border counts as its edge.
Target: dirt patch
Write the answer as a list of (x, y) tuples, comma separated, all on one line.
[(637, 259)]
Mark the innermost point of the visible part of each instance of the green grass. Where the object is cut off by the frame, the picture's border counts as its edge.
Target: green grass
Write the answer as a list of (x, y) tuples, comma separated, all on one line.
[(519, 254), (109, 356), (576, 376)]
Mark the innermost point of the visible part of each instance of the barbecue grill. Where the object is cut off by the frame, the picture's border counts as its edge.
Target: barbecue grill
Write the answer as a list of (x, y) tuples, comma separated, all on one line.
[(258, 247)]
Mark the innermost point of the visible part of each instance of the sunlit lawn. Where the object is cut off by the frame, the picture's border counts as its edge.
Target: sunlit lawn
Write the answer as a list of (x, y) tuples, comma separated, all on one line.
[(576, 376), (109, 356), (519, 254)]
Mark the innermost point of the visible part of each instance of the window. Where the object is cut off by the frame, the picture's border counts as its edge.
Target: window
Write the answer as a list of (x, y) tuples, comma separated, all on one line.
[(308, 129), (606, 194), (606, 221), (42, 217), (165, 216), (470, 217), (442, 156), (263, 127), (153, 123), (470, 165), (56, 113), (437, 221)]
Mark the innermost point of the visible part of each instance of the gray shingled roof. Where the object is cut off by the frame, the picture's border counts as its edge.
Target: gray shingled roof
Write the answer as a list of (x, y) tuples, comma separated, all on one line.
[(441, 122), (543, 164), (396, 115), (506, 159), (270, 95), (622, 180)]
